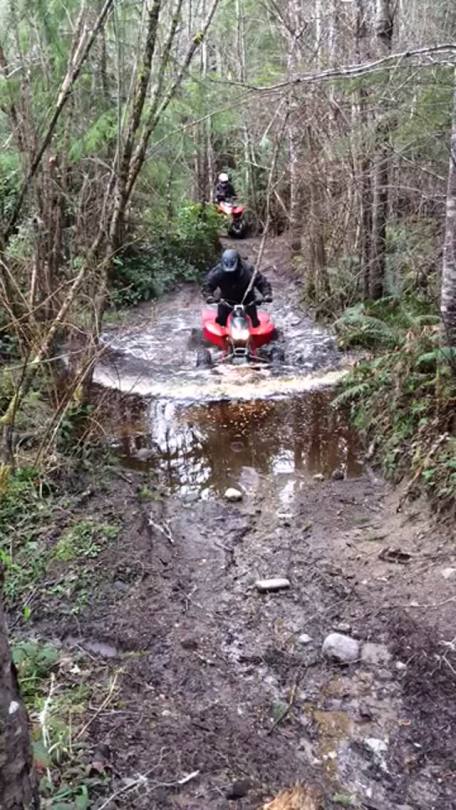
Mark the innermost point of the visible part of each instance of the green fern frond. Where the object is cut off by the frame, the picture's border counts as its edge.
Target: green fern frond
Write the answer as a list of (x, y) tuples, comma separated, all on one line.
[(349, 394)]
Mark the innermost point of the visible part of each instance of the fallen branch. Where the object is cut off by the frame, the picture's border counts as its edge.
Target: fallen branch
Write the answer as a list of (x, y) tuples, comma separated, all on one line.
[(391, 62), (105, 703), (290, 705), (143, 780), (163, 529)]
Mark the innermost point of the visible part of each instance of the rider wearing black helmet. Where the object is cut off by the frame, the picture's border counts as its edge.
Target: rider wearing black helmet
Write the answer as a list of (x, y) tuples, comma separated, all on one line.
[(232, 277)]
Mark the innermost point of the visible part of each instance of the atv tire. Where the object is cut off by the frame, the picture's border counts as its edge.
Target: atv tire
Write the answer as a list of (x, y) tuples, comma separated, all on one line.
[(203, 358), (238, 231), (277, 356)]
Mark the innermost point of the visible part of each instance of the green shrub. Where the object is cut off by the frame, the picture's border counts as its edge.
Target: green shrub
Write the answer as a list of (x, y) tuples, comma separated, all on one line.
[(147, 270), (403, 398)]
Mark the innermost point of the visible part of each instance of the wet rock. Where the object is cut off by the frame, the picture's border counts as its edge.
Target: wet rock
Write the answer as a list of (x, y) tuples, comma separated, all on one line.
[(144, 454), (341, 648), (120, 586), (189, 643), (378, 748), (233, 495), (375, 654), (191, 497), (238, 790), (273, 584), (304, 639), (342, 627)]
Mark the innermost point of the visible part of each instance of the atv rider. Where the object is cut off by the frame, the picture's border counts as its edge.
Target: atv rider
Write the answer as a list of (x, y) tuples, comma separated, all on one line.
[(232, 277), (224, 190)]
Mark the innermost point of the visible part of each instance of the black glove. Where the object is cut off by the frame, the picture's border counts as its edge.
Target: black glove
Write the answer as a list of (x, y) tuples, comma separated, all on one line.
[(211, 299)]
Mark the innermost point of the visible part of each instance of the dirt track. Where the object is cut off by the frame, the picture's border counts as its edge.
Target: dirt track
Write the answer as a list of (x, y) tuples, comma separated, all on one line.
[(216, 680)]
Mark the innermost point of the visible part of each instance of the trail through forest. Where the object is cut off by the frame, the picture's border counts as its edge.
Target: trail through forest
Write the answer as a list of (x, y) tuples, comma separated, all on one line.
[(220, 682)]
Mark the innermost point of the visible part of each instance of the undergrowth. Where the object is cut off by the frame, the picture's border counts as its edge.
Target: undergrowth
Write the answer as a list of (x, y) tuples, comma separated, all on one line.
[(45, 549), (57, 688), (403, 395), (179, 252), (51, 548)]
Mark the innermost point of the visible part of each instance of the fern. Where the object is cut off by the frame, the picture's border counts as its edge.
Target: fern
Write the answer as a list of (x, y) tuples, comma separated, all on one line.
[(349, 394), (433, 358), (358, 328)]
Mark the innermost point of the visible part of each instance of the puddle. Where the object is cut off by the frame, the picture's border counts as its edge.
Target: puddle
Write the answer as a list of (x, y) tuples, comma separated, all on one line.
[(205, 448), (201, 431), (93, 646)]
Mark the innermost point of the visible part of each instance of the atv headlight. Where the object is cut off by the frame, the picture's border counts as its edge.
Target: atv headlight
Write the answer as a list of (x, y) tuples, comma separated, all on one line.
[(240, 333)]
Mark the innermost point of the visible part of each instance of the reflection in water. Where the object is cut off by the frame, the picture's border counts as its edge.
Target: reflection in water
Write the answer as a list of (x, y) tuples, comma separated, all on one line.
[(210, 446)]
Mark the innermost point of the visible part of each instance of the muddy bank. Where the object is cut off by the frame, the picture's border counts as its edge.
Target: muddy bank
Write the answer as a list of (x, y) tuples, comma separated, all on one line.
[(216, 678)]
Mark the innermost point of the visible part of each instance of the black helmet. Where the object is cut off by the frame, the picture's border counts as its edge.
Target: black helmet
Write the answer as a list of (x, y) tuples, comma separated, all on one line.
[(230, 260)]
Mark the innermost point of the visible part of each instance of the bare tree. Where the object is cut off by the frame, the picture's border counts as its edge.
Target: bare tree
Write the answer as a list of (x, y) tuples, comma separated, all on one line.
[(384, 28), (448, 295)]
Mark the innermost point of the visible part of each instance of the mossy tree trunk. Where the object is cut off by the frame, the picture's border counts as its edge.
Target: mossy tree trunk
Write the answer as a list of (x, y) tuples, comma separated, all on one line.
[(18, 787)]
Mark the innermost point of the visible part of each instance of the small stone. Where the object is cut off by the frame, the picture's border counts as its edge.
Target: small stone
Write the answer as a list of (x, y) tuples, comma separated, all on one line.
[(319, 477), (341, 648), (400, 666), (304, 638), (233, 495), (378, 748), (337, 475), (342, 627), (448, 573), (375, 654), (144, 454), (120, 586), (191, 497), (274, 584), (189, 643), (238, 789)]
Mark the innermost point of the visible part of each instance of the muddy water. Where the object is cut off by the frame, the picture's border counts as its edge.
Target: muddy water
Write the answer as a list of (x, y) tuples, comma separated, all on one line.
[(201, 431), (205, 448)]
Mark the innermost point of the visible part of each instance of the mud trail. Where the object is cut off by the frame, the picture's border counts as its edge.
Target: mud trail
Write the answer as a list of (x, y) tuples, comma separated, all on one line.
[(228, 685)]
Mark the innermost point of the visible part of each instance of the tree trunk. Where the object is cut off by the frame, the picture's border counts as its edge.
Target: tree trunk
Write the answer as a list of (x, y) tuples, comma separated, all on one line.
[(294, 134), (18, 789), (384, 28), (448, 299), (362, 158)]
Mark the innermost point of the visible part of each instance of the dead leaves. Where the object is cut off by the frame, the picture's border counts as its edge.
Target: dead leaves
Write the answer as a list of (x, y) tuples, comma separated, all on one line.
[(297, 798)]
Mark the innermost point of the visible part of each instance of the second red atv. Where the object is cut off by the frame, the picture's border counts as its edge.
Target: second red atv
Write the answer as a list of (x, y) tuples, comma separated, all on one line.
[(239, 339), (235, 214)]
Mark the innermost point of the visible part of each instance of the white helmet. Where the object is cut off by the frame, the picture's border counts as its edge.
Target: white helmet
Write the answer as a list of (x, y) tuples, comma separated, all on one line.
[(223, 177)]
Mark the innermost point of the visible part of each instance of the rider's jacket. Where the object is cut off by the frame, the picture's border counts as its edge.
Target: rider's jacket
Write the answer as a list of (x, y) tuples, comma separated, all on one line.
[(224, 191), (232, 286)]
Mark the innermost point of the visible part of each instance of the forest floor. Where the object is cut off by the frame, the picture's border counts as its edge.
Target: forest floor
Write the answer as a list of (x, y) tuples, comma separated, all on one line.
[(206, 693)]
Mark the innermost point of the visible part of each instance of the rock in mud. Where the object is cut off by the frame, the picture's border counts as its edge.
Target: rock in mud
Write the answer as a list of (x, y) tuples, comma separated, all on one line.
[(340, 648), (238, 790), (233, 495), (304, 639), (378, 748), (144, 454), (375, 654), (448, 573), (318, 477), (273, 584)]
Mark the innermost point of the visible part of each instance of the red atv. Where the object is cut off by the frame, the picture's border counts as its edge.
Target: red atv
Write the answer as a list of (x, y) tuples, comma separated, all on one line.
[(239, 340), (235, 213)]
